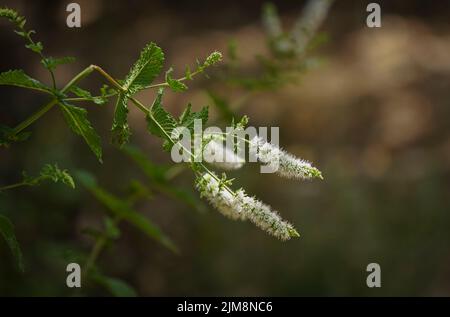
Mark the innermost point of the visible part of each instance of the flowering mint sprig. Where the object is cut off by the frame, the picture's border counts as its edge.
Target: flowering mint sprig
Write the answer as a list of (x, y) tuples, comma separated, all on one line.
[(160, 123)]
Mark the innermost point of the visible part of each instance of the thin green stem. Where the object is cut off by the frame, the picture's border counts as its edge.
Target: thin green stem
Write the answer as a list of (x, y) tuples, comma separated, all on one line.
[(108, 77), (165, 84), (42, 56), (98, 247), (44, 109), (7, 187), (76, 99), (78, 77), (35, 116)]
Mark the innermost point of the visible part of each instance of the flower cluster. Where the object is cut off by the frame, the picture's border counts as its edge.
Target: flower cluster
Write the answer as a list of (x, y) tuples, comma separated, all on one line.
[(215, 191), (237, 205), (281, 162)]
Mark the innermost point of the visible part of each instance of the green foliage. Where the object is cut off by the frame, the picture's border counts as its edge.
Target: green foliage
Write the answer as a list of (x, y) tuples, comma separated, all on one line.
[(175, 84), (51, 63), (18, 78), (115, 286), (145, 70), (77, 120), (79, 92), (121, 208), (142, 74), (12, 16), (54, 173), (161, 123), (188, 117), (35, 47), (48, 172), (120, 129), (7, 231), (274, 71)]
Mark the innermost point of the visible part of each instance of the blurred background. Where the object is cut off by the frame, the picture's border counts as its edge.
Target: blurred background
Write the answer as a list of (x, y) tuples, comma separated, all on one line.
[(372, 114)]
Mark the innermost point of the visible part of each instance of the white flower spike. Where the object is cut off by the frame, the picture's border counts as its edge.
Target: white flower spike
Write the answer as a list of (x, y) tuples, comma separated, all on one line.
[(283, 163), (240, 206)]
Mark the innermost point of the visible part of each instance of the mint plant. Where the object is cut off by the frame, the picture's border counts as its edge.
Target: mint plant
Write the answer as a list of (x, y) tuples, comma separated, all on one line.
[(235, 204)]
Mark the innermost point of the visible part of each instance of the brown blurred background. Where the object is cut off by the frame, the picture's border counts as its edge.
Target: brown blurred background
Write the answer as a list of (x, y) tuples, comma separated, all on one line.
[(374, 117)]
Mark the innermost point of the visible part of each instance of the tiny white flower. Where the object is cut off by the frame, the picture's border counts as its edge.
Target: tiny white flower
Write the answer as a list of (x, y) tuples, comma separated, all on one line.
[(240, 206), (281, 162), (264, 217), (219, 197)]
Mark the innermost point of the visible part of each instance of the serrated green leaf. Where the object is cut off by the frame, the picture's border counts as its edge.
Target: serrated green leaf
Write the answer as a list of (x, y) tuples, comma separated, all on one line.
[(7, 231), (79, 92), (188, 117), (18, 78), (120, 129), (165, 122), (115, 286), (51, 63), (123, 210), (174, 84), (35, 47), (145, 70), (78, 121)]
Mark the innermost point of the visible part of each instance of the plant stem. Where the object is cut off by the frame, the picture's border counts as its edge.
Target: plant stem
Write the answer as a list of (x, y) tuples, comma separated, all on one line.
[(165, 84), (24, 124), (98, 247), (13, 186), (43, 110)]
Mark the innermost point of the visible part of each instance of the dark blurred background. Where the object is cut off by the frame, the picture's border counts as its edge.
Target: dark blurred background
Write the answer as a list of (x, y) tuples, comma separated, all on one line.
[(374, 117)]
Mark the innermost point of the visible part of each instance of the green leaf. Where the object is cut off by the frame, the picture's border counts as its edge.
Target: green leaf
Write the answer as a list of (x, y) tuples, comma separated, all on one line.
[(165, 122), (51, 63), (18, 78), (54, 173), (79, 92), (174, 84), (188, 117), (115, 286), (120, 129), (77, 120), (123, 210), (7, 231), (11, 15), (146, 68), (35, 47)]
